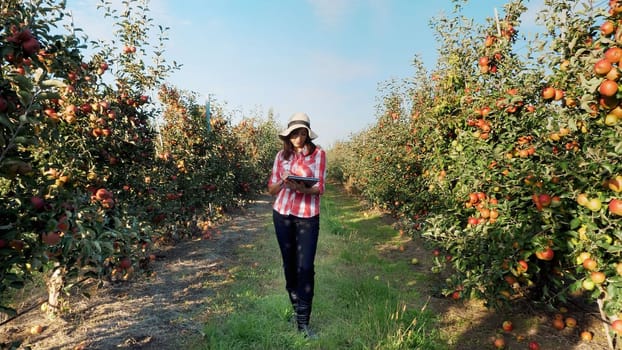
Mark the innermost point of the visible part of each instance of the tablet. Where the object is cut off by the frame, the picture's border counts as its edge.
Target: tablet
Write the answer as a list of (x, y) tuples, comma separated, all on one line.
[(308, 181)]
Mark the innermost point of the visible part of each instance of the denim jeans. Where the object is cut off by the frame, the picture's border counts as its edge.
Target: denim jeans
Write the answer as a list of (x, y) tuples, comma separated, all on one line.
[(297, 239)]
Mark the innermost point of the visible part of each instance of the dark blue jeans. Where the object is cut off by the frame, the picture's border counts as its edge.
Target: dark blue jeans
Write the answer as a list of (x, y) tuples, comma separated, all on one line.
[(297, 239)]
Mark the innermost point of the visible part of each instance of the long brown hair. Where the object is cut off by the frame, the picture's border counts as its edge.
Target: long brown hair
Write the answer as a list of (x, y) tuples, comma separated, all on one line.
[(288, 147)]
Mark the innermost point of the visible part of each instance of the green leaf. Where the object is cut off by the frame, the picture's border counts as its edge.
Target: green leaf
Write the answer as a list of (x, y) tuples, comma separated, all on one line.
[(609, 167), (21, 81), (48, 95), (25, 140), (611, 248), (574, 223), (4, 120), (25, 96), (97, 246)]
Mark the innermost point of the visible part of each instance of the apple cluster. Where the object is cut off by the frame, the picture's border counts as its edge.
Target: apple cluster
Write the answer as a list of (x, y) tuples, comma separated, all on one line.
[(25, 39)]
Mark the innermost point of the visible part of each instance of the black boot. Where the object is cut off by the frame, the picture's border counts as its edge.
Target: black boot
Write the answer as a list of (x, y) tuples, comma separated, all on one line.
[(303, 314)]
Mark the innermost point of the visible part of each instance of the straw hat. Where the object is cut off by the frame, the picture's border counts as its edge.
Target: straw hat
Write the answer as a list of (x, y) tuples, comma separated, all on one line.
[(296, 121)]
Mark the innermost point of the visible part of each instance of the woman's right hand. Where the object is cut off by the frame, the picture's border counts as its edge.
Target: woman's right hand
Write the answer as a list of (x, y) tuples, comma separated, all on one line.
[(284, 176)]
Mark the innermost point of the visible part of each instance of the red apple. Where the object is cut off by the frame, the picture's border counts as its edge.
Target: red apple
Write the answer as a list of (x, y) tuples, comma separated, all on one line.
[(16, 244), (598, 277), (546, 254), (499, 343), (129, 49), (37, 329), (590, 264), (607, 28), (602, 67), (86, 108), (548, 93), (613, 54), (37, 202), (31, 46), (3, 104), (507, 326), (608, 88), (125, 263), (586, 335), (71, 109), (534, 345), (102, 194), (50, 113), (545, 200), (615, 184), (614, 74), (559, 324), (522, 266), (51, 238), (615, 206), (571, 322)]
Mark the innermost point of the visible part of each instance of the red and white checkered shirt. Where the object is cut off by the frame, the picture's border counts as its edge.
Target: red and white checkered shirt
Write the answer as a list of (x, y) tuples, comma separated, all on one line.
[(289, 202)]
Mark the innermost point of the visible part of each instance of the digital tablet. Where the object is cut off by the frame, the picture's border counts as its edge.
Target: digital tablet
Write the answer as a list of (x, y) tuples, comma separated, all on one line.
[(308, 181)]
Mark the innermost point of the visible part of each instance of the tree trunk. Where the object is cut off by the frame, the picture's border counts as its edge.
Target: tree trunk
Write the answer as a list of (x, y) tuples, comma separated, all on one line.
[(55, 285)]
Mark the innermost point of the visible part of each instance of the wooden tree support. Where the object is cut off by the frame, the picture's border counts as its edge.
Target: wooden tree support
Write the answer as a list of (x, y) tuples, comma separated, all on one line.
[(55, 285)]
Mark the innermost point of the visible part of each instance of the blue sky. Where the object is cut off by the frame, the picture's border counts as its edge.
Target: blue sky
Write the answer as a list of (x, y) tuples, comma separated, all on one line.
[(322, 57)]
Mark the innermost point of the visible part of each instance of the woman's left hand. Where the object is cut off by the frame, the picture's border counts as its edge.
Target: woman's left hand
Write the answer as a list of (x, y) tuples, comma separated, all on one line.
[(295, 185)]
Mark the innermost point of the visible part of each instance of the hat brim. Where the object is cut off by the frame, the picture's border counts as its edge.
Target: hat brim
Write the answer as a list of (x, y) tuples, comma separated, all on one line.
[(283, 134)]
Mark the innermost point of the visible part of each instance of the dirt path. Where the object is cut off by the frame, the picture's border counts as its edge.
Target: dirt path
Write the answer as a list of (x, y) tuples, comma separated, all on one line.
[(152, 312)]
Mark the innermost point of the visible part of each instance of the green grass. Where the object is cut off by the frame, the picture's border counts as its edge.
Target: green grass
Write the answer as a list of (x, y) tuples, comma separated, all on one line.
[(360, 300)]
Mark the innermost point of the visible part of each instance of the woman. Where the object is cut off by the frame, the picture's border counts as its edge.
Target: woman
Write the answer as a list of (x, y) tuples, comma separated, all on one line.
[(296, 212)]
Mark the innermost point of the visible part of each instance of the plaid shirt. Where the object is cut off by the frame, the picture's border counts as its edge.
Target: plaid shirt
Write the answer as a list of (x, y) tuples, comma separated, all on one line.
[(290, 202)]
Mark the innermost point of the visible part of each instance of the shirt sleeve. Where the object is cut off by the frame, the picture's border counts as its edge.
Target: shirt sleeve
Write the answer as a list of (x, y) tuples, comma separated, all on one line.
[(320, 169), (276, 170)]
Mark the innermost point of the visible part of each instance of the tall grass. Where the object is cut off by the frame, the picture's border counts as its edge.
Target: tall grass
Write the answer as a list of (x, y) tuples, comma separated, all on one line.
[(358, 303)]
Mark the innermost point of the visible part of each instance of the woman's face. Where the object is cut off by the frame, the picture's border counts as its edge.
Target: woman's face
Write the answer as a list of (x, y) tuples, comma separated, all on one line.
[(298, 138)]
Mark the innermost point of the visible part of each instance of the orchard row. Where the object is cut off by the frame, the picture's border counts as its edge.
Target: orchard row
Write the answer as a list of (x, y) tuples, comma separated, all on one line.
[(100, 159), (507, 156)]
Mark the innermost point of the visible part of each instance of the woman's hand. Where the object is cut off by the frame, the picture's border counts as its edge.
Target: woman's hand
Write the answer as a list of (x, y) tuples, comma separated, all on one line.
[(276, 188), (295, 186), (300, 187)]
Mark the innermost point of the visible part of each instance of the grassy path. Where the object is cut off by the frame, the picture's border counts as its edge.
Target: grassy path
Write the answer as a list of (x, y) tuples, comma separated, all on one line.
[(362, 298)]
